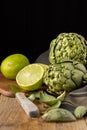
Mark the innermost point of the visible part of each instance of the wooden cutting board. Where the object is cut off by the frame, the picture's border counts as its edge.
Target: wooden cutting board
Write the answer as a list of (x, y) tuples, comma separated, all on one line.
[(13, 117), (4, 82)]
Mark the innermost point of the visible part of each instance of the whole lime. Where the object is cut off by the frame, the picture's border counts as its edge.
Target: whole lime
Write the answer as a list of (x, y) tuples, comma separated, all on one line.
[(12, 64)]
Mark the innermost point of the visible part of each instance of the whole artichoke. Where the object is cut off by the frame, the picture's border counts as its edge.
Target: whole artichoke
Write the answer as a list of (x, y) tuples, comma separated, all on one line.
[(64, 76), (68, 46)]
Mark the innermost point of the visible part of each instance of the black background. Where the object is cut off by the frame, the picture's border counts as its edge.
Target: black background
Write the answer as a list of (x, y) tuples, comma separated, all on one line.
[(28, 27)]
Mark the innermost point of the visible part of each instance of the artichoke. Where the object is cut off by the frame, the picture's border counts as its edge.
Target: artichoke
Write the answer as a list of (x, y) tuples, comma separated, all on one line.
[(64, 76), (68, 46)]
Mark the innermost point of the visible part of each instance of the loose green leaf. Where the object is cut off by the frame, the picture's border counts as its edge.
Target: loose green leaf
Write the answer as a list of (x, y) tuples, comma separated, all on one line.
[(56, 105), (43, 97), (80, 111), (62, 96), (46, 98), (58, 114), (14, 88), (34, 95)]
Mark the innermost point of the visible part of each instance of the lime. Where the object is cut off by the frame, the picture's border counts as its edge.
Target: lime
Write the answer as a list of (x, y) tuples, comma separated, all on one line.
[(30, 77), (12, 64), (43, 65)]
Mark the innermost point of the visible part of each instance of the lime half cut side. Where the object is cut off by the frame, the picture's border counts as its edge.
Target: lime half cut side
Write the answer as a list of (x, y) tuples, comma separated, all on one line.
[(43, 65), (30, 77)]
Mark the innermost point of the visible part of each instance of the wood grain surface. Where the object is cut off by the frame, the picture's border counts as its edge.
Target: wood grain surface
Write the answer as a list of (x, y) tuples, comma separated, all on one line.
[(13, 117)]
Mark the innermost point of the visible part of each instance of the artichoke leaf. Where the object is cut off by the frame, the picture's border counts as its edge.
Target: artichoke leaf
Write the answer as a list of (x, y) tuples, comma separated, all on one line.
[(77, 77), (68, 66), (56, 105), (85, 78), (47, 98), (58, 114), (80, 66), (61, 96), (43, 97), (69, 85), (67, 74), (34, 95), (51, 53)]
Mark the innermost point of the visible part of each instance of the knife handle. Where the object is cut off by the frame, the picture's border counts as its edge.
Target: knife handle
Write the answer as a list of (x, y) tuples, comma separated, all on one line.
[(29, 107)]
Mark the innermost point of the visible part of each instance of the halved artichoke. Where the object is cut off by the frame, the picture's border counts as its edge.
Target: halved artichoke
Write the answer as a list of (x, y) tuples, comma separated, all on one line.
[(68, 46), (64, 76)]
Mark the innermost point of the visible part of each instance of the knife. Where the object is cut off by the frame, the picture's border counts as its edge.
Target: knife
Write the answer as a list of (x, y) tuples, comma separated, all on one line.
[(29, 107)]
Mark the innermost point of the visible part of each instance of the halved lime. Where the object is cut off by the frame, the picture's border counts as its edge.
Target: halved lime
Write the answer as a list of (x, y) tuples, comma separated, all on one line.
[(43, 65), (30, 77)]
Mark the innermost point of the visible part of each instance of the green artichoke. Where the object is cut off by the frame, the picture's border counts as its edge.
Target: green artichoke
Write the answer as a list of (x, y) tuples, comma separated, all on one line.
[(64, 76), (68, 46)]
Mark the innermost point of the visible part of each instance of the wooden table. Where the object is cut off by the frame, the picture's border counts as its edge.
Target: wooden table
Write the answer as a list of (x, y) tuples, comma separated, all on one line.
[(13, 117)]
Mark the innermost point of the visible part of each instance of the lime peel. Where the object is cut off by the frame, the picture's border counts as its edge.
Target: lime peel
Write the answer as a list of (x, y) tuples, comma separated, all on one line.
[(12, 64), (30, 77)]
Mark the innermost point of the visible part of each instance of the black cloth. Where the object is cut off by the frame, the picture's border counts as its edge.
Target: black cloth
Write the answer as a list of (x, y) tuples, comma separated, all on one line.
[(73, 99)]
